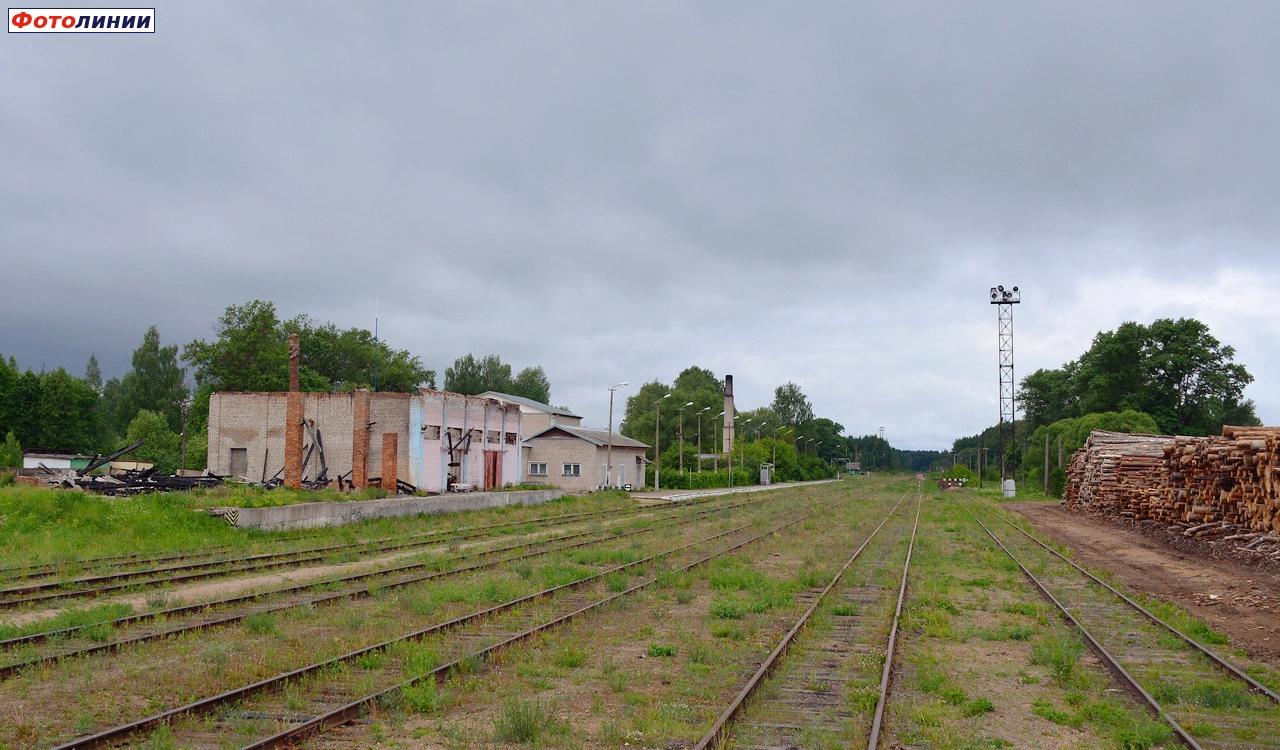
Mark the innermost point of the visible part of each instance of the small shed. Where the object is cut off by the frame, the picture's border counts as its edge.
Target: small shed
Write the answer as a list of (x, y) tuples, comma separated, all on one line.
[(55, 460)]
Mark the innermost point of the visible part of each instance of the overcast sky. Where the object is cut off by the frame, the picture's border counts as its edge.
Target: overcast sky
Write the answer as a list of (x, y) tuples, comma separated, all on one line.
[(817, 192)]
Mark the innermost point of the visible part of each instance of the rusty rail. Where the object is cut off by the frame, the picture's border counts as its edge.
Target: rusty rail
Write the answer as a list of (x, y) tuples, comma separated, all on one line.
[(719, 729), (1227, 666), (1107, 658), (350, 711), (326, 598), (873, 738), (56, 589)]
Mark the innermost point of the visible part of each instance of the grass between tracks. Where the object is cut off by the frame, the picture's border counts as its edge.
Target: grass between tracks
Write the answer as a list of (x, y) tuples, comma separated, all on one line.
[(1192, 626), (79, 695), (652, 670), (986, 663), (1207, 702), (39, 526)]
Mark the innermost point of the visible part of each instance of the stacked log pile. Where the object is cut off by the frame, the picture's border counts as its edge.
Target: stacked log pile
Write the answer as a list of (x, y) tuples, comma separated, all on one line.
[(1117, 473), (1231, 481)]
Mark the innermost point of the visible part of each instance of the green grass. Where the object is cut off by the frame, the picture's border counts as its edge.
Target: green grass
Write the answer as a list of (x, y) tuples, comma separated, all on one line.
[(569, 658), (1059, 652), (421, 697), (72, 618), (524, 722), (260, 623), (39, 525), (661, 649)]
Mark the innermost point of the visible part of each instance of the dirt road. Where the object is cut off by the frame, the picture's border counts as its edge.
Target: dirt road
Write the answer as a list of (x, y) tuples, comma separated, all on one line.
[(1235, 599)]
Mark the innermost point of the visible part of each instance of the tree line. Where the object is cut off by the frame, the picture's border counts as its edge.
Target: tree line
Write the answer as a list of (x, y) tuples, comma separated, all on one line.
[(1167, 377), (156, 402), (785, 432)]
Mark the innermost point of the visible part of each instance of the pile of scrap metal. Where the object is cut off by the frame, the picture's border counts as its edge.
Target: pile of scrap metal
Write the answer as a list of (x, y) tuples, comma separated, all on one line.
[(320, 479), (132, 482)]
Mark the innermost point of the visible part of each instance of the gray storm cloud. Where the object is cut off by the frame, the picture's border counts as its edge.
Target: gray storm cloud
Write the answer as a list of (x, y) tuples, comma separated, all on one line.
[(819, 193)]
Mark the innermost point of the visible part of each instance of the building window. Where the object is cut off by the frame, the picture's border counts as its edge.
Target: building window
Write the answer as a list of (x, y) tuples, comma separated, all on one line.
[(573, 470), (239, 462), (431, 432), (511, 438), (494, 436), (538, 469)]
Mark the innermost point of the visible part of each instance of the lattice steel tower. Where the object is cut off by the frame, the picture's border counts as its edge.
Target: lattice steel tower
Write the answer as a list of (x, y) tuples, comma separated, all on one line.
[(1004, 300)]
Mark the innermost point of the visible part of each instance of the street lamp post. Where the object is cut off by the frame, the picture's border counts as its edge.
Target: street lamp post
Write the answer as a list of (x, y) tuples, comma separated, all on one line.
[(704, 410), (777, 430), (686, 406), (608, 462), (716, 441), (657, 442), (186, 410)]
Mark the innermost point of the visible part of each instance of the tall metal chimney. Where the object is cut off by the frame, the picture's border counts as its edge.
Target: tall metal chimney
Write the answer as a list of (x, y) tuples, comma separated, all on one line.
[(728, 414)]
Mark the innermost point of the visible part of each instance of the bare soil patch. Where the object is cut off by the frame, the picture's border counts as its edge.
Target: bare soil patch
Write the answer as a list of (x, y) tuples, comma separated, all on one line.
[(1242, 601)]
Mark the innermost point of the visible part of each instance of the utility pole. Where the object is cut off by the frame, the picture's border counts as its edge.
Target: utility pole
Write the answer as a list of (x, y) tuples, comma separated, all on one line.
[(608, 462), (657, 442), (1046, 462), (700, 413), (186, 410), (682, 435), (982, 459), (718, 445)]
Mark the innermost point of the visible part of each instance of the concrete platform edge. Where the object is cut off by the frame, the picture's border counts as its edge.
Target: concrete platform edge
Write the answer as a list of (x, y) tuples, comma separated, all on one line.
[(311, 515)]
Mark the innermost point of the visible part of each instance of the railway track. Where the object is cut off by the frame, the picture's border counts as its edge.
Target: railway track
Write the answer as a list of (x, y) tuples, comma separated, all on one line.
[(88, 639), (192, 569), (807, 701), (210, 553), (1208, 702), (282, 709)]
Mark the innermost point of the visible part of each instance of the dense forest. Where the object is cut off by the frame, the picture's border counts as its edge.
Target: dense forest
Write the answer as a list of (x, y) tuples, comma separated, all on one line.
[(1168, 377), (155, 402)]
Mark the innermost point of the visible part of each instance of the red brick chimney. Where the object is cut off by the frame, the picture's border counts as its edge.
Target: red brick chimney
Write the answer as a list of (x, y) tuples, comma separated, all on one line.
[(360, 439), (293, 422), (389, 456)]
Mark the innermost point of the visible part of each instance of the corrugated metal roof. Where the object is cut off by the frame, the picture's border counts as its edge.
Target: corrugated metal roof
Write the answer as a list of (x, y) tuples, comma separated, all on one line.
[(596, 437), (548, 408)]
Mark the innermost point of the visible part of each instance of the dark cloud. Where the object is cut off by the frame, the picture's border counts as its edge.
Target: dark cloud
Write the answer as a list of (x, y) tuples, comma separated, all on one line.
[(819, 193)]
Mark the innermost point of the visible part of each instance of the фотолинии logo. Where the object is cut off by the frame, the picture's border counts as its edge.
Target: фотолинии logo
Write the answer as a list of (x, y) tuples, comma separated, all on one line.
[(87, 20)]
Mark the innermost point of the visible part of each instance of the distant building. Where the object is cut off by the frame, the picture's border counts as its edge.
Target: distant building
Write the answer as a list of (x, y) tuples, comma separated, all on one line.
[(574, 458), (55, 460), (536, 416)]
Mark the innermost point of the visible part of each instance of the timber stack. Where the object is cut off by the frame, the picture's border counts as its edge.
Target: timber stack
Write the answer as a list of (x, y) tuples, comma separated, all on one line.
[(1115, 473), (1229, 481)]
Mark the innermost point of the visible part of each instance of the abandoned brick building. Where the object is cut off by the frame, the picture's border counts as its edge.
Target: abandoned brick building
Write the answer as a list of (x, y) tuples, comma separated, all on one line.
[(440, 438)]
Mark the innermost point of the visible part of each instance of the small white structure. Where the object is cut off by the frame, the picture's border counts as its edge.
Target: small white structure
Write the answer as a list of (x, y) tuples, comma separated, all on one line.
[(54, 461)]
